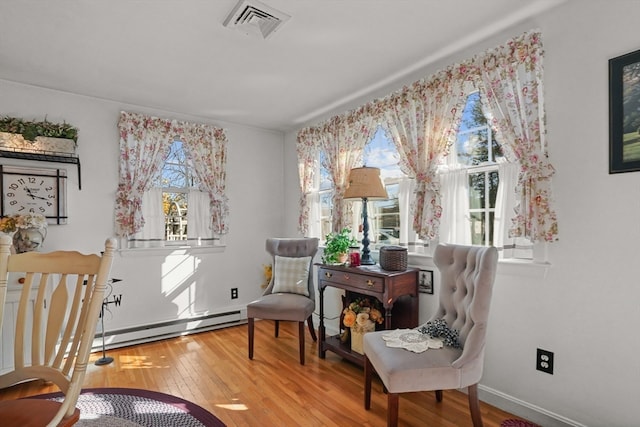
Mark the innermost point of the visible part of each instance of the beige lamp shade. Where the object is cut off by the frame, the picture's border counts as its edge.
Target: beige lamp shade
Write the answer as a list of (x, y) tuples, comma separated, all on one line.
[(364, 183)]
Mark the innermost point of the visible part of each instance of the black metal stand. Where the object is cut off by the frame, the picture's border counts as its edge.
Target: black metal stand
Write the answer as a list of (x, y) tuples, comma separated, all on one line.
[(104, 360)]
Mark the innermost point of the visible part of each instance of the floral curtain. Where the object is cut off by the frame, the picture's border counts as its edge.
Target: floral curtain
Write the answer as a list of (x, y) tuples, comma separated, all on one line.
[(423, 120), (206, 147), (343, 139), (144, 143), (307, 150), (512, 84)]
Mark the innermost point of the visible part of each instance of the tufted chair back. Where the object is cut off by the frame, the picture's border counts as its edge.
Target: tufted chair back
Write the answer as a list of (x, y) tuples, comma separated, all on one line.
[(467, 274), (294, 247)]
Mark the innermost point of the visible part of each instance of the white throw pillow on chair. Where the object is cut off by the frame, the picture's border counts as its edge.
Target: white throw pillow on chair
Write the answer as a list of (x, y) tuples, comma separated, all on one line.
[(291, 275)]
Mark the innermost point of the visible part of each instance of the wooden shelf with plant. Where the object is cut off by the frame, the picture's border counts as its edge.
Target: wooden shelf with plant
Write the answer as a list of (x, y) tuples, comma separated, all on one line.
[(18, 134)]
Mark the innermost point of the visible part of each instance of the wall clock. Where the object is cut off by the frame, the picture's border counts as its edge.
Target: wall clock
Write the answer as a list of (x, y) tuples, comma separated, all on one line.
[(34, 190)]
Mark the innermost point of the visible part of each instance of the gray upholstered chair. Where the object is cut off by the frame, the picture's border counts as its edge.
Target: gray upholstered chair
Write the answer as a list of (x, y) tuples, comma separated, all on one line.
[(467, 274), (290, 295)]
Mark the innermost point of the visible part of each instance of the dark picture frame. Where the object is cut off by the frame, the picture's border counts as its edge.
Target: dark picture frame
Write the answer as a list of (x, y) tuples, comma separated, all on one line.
[(425, 281), (624, 113)]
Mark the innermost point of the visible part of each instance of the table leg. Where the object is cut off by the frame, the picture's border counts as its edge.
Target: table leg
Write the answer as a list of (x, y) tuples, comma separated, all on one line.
[(321, 330)]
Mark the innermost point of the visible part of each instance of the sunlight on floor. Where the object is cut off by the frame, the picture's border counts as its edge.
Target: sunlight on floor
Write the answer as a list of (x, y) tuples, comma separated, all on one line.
[(233, 406), (138, 362)]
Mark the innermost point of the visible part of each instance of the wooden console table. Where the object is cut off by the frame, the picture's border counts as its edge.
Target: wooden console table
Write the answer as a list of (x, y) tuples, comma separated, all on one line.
[(397, 291)]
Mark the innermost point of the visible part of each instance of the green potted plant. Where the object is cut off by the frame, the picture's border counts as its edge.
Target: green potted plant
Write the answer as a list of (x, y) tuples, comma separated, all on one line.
[(336, 250)]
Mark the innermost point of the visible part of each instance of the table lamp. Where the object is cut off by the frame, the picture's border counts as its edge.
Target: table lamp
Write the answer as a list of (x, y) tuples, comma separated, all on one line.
[(365, 184)]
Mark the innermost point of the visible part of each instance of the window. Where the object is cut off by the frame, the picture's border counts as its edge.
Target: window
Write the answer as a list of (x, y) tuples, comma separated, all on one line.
[(384, 215), (159, 200), (325, 187), (475, 205), (389, 224), (477, 150), (174, 209), (175, 180)]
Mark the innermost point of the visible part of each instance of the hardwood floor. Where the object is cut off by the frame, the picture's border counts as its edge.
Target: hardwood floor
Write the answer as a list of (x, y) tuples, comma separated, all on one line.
[(212, 370)]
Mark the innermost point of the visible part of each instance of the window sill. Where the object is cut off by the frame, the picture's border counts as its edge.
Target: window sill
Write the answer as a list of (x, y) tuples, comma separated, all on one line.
[(171, 250), (509, 267), (523, 267)]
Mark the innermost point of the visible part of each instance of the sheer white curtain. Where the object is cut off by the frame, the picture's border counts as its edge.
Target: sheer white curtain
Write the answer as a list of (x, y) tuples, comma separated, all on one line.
[(455, 225), (199, 231), (505, 212), (152, 233), (314, 227), (405, 191)]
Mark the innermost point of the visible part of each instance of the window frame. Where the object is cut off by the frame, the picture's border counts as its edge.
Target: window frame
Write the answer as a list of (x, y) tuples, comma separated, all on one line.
[(191, 184)]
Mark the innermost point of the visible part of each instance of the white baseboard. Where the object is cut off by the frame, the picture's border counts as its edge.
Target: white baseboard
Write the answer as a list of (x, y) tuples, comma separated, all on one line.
[(524, 409), (163, 330)]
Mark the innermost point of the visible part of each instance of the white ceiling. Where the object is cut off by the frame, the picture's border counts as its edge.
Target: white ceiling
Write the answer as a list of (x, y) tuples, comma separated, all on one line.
[(176, 56)]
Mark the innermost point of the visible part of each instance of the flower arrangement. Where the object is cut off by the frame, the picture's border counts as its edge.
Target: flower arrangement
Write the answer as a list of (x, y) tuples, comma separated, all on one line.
[(11, 223), (361, 314), (267, 270), (29, 230)]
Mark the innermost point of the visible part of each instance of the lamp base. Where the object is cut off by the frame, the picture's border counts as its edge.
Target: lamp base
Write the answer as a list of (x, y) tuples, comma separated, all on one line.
[(367, 260)]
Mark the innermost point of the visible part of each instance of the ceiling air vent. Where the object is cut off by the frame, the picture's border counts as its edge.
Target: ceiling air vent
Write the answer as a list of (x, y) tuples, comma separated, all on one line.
[(255, 18)]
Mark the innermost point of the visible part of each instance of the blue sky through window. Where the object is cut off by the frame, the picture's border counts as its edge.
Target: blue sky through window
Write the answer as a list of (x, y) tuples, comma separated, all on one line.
[(382, 153)]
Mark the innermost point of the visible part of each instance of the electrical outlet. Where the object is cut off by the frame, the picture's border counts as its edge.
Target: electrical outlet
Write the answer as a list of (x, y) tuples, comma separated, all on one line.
[(544, 361), (234, 293)]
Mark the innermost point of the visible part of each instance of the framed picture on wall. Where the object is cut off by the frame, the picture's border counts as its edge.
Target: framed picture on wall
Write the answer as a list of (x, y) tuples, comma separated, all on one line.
[(624, 113), (425, 281)]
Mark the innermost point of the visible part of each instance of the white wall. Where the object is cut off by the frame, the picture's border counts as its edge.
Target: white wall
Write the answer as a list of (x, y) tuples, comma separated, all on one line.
[(586, 306), (161, 287)]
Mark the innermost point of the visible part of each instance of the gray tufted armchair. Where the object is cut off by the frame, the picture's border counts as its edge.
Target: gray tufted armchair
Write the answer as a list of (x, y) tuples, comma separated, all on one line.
[(296, 301), (467, 274)]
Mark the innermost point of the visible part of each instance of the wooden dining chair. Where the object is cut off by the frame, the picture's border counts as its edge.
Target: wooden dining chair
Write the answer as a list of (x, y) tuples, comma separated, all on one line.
[(60, 298)]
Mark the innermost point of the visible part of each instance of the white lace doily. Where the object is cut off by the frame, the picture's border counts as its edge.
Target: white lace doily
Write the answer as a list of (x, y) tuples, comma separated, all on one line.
[(411, 340)]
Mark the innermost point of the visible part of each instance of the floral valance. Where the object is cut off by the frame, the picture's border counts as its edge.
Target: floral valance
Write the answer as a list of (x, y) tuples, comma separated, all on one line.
[(423, 119)]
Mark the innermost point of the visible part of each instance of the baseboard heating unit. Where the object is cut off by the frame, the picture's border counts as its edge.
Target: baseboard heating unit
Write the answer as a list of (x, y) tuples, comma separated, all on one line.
[(162, 330)]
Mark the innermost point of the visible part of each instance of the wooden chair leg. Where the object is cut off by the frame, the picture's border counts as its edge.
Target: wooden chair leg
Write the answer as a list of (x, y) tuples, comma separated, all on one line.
[(312, 330), (474, 406), (277, 328), (392, 409), (301, 339), (439, 395), (368, 368), (250, 324)]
